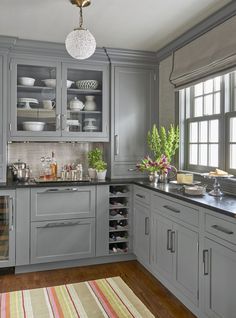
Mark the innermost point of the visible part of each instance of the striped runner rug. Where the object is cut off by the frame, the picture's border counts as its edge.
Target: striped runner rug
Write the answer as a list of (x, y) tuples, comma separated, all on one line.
[(109, 297)]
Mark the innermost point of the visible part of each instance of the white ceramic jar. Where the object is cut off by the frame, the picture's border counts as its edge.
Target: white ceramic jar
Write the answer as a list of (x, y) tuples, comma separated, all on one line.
[(90, 104)]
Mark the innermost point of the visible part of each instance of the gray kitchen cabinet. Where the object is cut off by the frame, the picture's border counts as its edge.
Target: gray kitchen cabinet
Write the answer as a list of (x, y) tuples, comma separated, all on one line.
[(62, 240), (219, 280), (142, 233), (62, 203), (27, 101), (132, 102), (56, 81), (3, 115), (175, 254), (92, 120), (7, 228)]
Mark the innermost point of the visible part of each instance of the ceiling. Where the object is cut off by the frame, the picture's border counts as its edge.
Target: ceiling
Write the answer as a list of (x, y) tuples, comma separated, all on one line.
[(114, 23)]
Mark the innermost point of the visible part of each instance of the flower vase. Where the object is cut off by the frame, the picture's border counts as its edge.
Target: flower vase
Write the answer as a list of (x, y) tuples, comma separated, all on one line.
[(90, 104), (153, 177), (163, 177)]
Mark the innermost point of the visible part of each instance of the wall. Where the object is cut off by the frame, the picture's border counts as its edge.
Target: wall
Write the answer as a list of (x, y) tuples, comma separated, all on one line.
[(65, 153), (166, 94)]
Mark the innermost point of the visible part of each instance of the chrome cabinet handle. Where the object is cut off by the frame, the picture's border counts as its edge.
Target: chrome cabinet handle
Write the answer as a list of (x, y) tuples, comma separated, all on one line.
[(140, 196), (168, 240), (59, 224), (172, 239), (116, 145), (222, 229), (205, 262), (168, 207), (61, 191), (132, 169), (58, 121), (147, 225), (11, 214)]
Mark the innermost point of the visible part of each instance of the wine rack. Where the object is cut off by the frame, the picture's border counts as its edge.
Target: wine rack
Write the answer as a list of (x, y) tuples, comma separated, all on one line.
[(119, 219)]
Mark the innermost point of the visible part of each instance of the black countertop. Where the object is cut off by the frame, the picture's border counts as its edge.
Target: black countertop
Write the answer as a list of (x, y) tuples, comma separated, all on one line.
[(225, 205)]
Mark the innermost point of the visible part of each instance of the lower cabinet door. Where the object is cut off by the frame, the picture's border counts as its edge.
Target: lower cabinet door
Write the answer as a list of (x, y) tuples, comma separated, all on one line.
[(62, 240), (220, 280), (185, 250), (162, 256), (142, 233)]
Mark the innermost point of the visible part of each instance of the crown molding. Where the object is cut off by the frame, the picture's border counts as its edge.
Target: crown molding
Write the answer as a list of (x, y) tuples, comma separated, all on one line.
[(122, 56), (202, 27)]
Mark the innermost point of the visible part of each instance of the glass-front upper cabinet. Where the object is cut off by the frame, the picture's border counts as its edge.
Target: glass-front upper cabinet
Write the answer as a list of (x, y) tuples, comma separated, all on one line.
[(7, 231), (35, 98), (85, 101)]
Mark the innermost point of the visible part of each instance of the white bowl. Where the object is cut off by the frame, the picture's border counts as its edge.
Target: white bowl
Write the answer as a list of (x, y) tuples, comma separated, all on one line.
[(69, 83), (33, 125), (26, 81), (87, 84), (50, 82)]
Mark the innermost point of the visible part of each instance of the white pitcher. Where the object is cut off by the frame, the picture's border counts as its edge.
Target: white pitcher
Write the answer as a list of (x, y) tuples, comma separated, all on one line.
[(90, 103)]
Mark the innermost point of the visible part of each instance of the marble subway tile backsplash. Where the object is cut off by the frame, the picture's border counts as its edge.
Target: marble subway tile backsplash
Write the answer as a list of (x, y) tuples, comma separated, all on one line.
[(65, 153)]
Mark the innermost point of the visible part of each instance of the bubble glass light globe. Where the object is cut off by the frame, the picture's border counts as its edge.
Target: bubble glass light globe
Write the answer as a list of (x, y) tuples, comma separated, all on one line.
[(80, 44)]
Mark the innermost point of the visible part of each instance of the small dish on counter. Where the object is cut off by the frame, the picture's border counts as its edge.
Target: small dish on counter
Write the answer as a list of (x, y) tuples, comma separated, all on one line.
[(195, 190)]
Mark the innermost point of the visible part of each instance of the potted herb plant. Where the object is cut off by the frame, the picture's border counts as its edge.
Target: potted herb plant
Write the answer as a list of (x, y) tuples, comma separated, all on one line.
[(94, 156), (101, 169)]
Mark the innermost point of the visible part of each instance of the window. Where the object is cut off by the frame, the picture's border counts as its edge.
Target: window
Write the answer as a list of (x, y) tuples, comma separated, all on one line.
[(208, 124)]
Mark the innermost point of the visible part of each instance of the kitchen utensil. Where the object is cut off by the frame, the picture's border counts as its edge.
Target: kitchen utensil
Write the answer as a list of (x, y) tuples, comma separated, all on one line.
[(33, 125), (26, 81), (90, 104), (87, 84), (20, 171), (50, 82), (26, 102), (76, 104), (72, 124), (48, 104), (216, 192)]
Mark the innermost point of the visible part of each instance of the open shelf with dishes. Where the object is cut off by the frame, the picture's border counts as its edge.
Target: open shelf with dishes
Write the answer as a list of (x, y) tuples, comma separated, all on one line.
[(119, 219)]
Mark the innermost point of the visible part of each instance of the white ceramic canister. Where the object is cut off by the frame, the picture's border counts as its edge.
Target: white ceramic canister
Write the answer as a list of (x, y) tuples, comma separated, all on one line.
[(90, 104)]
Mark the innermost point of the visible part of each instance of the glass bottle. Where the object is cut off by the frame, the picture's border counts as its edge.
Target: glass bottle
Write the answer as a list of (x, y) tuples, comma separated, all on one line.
[(53, 167)]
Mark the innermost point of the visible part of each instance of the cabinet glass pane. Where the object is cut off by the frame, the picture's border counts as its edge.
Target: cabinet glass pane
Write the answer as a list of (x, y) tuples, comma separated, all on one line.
[(4, 228), (36, 98), (84, 101), (232, 129)]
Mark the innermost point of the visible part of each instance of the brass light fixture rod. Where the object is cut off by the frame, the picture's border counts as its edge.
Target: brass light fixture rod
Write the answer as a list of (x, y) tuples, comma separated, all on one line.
[(81, 3)]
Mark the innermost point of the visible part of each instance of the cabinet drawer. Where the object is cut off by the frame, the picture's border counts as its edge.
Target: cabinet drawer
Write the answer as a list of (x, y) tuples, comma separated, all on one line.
[(62, 240), (142, 196), (221, 228), (62, 203), (168, 207)]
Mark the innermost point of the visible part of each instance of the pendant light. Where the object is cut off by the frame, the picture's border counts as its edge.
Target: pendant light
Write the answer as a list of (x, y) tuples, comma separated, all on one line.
[(80, 43)]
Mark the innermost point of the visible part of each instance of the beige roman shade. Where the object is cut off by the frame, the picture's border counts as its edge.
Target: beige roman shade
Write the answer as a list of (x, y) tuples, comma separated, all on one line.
[(212, 53)]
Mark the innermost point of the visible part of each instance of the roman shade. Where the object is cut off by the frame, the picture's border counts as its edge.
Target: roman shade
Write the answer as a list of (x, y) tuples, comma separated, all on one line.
[(212, 53)]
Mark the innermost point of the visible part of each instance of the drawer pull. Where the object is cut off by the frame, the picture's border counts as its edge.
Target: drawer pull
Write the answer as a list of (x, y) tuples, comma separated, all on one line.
[(61, 191), (116, 145), (140, 196), (147, 226), (168, 207), (222, 229), (168, 240), (205, 262), (59, 224), (172, 239)]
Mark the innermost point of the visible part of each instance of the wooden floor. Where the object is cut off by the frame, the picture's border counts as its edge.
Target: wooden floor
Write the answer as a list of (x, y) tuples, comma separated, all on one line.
[(156, 297)]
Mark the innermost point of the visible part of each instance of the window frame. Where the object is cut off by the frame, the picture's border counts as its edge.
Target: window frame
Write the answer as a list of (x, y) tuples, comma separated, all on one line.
[(227, 111)]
